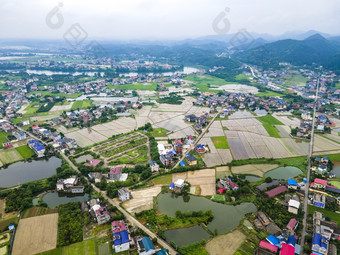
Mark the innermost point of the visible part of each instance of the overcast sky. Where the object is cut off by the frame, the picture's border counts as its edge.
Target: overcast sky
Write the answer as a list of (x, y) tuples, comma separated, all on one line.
[(165, 19)]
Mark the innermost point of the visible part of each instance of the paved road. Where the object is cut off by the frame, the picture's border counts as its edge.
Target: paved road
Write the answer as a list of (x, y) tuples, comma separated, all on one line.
[(192, 146), (310, 153)]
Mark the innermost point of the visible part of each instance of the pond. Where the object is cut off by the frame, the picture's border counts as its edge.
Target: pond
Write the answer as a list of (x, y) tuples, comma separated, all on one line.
[(185, 236), (83, 158), (22, 172), (336, 168), (53, 199), (283, 173), (49, 73), (226, 217), (252, 178)]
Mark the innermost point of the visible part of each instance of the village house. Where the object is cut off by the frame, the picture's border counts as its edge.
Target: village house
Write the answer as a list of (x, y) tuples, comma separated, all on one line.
[(115, 173), (121, 237), (192, 160), (19, 135), (200, 148), (70, 185), (293, 206), (319, 183), (37, 147), (24, 122), (166, 160), (97, 176), (154, 166), (178, 146), (99, 212), (292, 184), (7, 128), (292, 224), (124, 194), (319, 200), (145, 246), (92, 162)]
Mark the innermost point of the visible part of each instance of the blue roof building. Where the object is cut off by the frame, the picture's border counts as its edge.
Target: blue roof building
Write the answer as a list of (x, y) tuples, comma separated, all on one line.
[(121, 241), (182, 163), (272, 239), (145, 246), (161, 252), (172, 186)]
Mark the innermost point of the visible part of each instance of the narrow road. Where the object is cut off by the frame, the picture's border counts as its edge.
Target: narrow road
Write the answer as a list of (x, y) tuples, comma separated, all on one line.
[(309, 163), (192, 146)]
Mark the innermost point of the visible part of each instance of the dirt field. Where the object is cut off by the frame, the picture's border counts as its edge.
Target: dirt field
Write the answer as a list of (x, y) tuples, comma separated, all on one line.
[(142, 199), (222, 171), (225, 244), (3, 250), (256, 169), (36, 234), (204, 179)]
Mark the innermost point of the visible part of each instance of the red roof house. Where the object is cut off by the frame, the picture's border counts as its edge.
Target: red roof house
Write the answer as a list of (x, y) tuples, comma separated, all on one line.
[(268, 246), (93, 162), (276, 191), (287, 249), (292, 224)]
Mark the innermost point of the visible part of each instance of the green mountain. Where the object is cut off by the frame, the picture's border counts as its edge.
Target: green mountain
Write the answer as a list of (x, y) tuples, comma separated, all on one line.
[(314, 49)]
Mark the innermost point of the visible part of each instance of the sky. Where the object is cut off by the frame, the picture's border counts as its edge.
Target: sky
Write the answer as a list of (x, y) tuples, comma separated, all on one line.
[(163, 19)]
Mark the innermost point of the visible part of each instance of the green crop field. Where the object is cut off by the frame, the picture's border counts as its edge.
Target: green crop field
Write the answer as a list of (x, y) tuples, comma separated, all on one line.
[(163, 179), (25, 151), (3, 138), (269, 93), (268, 122), (9, 156), (203, 82), (159, 132), (220, 142), (335, 183), (87, 247), (81, 104), (32, 108)]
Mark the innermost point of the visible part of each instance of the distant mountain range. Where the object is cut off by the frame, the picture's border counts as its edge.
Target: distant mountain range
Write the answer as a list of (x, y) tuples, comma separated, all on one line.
[(314, 49)]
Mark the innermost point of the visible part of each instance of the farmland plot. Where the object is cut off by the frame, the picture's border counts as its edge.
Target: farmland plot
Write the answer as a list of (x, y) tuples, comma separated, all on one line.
[(36, 234), (250, 125), (142, 199)]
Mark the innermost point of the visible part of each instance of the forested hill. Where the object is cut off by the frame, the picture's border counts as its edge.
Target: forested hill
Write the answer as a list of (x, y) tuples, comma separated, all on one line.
[(314, 49)]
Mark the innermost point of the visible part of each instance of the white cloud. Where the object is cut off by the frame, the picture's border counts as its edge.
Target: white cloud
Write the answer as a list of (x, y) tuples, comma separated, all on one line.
[(128, 19)]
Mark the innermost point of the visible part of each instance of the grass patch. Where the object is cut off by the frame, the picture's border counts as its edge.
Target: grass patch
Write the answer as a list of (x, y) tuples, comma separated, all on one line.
[(241, 77), (332, 215), (220, 142), (203, 83), (3, 138), (335, 183), (8, 221), (163, 179), (268, 122), (159, 132), (87, 247), (136, 86), (32, 108), (269, 93), (9, 156), (81, 104), (37, 211), (25, 151)]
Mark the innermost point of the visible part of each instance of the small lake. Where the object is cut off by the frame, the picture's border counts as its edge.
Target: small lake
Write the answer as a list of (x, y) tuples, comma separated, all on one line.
[(185, 236), (252, 178), (226, 217), (83, 158), (283, 173), (22, 172), (336, 168), (53, 199), (186, 70), (49, 73)]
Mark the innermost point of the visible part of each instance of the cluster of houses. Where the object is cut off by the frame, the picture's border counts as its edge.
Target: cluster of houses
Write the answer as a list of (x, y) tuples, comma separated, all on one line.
[(323, 232), (71, 184), (283, 242), (177, 186), (200, 121), (115, 173), (8, 128), (226, 184), (122, 240)]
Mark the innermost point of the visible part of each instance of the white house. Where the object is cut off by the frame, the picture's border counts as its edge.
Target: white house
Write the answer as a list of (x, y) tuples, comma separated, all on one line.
[(293, 206), (124, 194)]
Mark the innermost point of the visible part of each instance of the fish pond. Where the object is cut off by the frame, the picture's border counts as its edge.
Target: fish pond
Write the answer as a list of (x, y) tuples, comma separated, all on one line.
[(283, 173)]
